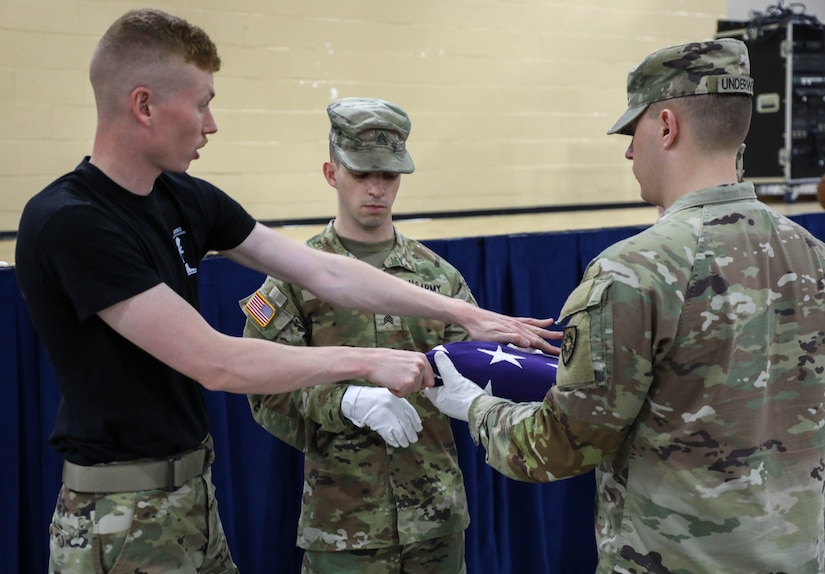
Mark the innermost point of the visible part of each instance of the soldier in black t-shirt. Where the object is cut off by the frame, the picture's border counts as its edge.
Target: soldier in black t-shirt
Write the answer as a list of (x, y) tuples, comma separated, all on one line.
[(107, 259)]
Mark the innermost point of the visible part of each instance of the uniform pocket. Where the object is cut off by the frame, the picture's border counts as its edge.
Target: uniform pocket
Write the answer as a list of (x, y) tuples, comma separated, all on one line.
[(71, 534), (588, 334)]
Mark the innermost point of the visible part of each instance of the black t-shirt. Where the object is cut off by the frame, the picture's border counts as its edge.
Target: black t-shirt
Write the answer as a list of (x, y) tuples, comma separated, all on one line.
[(85, 243)]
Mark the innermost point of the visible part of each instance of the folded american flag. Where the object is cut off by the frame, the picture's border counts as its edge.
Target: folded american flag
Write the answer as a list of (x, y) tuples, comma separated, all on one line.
[(504, 371)]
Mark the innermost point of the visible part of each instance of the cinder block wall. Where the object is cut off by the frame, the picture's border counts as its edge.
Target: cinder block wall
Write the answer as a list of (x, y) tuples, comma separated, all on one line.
[(510, 99)]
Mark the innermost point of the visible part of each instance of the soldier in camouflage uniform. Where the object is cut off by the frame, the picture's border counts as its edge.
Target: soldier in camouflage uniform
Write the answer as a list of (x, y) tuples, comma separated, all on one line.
[(691, 372), (377, 497)]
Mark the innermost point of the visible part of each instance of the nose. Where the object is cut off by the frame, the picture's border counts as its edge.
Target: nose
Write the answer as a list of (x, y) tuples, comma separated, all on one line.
[(375, 184), (628, 153), (210, 126)]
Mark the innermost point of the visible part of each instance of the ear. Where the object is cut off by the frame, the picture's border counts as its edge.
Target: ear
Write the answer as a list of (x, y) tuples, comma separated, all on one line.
[(669, 127), (329, 173), (139, 101)]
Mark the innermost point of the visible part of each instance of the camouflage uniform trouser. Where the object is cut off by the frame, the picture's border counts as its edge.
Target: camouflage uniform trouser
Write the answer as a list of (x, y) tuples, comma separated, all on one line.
[(151, 531), (437, 556)]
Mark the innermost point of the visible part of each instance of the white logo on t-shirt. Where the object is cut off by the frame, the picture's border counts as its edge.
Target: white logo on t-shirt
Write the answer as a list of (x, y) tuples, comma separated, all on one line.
[(177, 233)]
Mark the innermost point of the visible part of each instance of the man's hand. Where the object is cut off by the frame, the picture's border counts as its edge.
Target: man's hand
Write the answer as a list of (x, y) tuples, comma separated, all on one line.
[(402, 372), (455, 396), (392, 417), (485, 325)]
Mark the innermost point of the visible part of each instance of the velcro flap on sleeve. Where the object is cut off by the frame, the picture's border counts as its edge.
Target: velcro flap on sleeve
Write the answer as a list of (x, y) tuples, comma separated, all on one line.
[(587, 334), (267, 311)]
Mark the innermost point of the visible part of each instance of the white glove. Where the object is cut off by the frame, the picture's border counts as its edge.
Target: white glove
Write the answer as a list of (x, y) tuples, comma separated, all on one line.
[(455, 396), (394, 418)]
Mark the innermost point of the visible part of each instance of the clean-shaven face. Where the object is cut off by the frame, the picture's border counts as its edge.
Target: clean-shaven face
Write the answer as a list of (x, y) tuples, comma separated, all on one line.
[(182, 118), (642, 151), (365, 200)]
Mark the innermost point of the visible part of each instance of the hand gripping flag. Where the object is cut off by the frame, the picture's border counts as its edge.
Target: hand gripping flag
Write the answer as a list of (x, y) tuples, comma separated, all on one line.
[(505, 371)]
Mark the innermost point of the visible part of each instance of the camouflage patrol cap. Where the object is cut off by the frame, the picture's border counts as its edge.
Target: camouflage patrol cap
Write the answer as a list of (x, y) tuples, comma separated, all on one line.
[(714, 67), (370, 135)]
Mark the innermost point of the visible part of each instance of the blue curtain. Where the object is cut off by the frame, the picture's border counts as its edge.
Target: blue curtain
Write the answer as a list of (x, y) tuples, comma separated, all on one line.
[(516, 527)]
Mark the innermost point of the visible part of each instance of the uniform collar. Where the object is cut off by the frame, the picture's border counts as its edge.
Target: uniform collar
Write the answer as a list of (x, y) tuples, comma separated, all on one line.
[(742, 191), (400, 256)]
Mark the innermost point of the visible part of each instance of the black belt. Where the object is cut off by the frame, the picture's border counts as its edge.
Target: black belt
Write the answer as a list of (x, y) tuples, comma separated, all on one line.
[(169, 474)]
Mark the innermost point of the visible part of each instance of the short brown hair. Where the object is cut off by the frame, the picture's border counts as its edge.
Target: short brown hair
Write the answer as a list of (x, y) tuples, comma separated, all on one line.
[(720, 121), (139, 40)]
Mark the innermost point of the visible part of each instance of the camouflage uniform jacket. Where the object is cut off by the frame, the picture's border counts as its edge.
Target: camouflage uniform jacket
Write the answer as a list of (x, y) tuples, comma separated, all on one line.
[(360, 492), (691, 378)]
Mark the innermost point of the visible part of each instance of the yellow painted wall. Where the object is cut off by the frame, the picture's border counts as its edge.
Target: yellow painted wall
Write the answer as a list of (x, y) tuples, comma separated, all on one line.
[(510, 99)]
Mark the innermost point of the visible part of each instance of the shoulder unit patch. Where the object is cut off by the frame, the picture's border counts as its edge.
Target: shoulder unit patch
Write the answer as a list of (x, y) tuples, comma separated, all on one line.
[(568, 343)]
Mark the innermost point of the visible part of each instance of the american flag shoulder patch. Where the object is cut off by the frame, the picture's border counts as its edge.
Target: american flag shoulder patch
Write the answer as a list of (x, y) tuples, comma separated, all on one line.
[(260, 309)]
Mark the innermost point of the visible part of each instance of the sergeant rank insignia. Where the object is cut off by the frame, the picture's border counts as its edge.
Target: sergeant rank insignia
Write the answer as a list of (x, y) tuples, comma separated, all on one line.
[(568, 343), (385, 323)]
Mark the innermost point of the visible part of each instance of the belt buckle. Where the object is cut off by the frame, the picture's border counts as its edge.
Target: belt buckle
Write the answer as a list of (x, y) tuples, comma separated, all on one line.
[(170, 472)]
